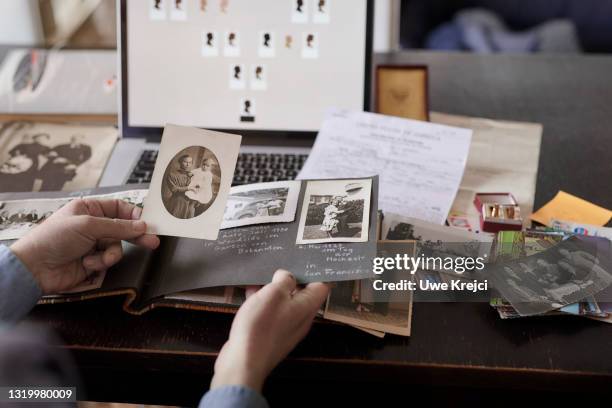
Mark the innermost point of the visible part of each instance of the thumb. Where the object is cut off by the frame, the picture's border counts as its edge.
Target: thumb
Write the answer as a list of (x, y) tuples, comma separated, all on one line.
[(112, 228), (313, 295)]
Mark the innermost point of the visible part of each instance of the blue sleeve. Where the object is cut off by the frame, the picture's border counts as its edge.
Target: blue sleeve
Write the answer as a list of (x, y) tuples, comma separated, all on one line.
[(233, 396), (19, 291)]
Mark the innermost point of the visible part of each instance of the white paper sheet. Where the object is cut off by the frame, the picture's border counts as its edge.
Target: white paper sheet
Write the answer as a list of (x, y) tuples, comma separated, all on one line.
[(420, 164)]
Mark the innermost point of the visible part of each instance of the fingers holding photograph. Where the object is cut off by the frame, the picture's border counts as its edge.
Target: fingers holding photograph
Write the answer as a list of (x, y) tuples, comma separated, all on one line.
[(335, 211), (261, 203)]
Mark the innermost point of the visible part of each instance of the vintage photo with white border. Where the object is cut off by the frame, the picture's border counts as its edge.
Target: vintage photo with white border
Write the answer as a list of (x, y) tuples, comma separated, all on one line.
[(261, 203), (168, 209), (335, 211)]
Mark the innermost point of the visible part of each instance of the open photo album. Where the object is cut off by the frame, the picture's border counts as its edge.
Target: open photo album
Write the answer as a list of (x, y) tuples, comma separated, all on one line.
[(323, 230)]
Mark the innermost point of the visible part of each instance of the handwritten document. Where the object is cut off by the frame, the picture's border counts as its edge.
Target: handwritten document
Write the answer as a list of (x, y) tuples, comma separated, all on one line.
[(420, 164)]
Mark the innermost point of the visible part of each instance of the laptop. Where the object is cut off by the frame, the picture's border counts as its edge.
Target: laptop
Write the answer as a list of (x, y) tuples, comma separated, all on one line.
[(265, 69)]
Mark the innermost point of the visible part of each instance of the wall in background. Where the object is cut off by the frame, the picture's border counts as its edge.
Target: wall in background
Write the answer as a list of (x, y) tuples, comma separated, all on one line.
[(20, 23)]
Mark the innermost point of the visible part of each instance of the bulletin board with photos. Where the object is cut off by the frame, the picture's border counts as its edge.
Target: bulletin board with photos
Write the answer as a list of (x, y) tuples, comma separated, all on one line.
[(241, 64)]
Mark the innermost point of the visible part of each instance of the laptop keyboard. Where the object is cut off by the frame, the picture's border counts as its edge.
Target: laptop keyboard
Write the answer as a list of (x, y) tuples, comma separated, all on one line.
[(251, 167)]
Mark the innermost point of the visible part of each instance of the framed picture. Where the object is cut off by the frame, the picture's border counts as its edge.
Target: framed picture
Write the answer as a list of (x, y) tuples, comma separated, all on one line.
[(402, 90)]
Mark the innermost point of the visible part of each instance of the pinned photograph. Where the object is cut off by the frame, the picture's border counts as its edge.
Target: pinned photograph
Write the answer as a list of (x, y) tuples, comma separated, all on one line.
[(50, 157), (288, 41), (247, 110), (335, 211), (232, 44), (237, 77), (321, 14), (310, 45), (259, 75), (191, 182), (261, 204), (178, 10), (157, 9), (299, 12), (210, 46), (267, 44)]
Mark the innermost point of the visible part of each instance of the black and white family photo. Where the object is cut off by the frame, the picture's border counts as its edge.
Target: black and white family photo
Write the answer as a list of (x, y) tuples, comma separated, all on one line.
[(335, 211), (191, 182), (261, 203), (52, 157), (549, 280)]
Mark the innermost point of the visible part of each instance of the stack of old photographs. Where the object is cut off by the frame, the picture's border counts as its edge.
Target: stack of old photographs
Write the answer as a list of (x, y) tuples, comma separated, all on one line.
[(549, 272)]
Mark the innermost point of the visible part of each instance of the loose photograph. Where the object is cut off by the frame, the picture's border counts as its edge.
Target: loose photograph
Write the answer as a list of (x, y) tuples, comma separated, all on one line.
[(335, 211), (191, 182), (261, 203), (50, 157)]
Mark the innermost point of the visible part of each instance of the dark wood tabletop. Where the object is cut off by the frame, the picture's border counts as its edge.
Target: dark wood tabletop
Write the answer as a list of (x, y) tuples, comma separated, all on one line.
[(167, 356)]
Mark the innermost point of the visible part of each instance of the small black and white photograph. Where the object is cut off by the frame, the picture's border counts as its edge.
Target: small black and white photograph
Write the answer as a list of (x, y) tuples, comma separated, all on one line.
[(247, 109), (49, 157), (436, 240), (261, 204), (321, 13), (191, 182), (259, 77), (299, 11), (267, 46), (231, 47), (157, 9), (559, 276), (237, 77), (20, 216), (178, 10), (310, 45), (335, 211), (210, 46)]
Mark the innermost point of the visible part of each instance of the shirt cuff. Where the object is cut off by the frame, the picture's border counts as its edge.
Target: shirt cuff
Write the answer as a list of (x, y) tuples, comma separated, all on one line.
[(233, 396), (19, 291)]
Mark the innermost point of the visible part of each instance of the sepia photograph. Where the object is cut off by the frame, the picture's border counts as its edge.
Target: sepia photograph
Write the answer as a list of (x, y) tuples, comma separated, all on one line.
[(261, 203), (191, 182), (350, 302), (49, 157), (335, 211)]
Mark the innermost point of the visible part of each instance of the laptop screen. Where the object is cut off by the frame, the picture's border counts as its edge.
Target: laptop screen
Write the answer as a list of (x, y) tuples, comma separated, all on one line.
[(262, 65)]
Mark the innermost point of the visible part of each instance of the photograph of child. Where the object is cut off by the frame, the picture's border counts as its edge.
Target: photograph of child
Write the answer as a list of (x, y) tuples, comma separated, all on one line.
[(335, 211)]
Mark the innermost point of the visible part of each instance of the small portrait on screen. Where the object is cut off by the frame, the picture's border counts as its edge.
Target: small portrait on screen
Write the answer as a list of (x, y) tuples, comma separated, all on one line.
[(223, 5), (157, 10), (321, 14), (237, 77), (191, 182), (247, 110), (299, 11), (232, 44), (267, 44), (288, 41), (203, 6), (178, 10), (310, 45), (259, 75), (210, 47)]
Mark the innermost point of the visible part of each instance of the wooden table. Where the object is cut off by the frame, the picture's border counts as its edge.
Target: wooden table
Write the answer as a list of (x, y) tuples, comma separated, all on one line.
[(167, 356)]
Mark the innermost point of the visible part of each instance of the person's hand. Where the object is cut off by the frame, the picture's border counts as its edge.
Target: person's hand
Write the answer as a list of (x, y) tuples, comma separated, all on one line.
[(267, 327), (81, 238)]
